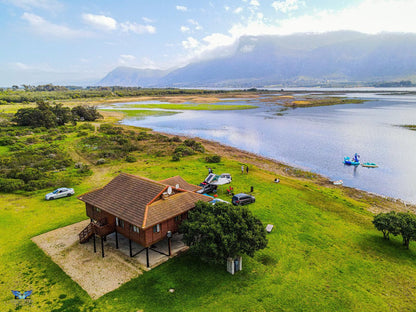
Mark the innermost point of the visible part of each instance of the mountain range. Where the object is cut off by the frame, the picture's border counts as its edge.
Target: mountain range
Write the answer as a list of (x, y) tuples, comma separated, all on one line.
[(342, 57)]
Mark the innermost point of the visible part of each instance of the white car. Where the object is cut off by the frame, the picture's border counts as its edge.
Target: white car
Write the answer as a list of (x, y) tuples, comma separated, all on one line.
[(218, 200), (60, 192)]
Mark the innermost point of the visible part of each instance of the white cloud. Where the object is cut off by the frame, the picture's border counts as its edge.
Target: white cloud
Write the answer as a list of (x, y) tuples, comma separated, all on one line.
[(147, 20), (238, 10), (287, 5), (49, 5), (190, 43), (254, 2), (195, 24), (185, 29), (385, 15), (181, 8), (43, 27), (370, 16), (126, 59), (137, 28), (101, 22), (33, 67), (227, 8)]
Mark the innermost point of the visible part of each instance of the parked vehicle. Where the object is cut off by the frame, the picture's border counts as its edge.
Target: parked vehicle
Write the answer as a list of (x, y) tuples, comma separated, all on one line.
[(218, 200), (243, 199), (60, 192), (207, 188)]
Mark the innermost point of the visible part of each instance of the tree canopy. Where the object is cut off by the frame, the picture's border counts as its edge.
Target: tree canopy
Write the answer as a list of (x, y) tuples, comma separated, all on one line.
[(48, 116), (217, 232), (403, 224)]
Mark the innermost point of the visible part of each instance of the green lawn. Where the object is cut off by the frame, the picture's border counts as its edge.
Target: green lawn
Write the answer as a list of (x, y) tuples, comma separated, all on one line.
[(323, 253)]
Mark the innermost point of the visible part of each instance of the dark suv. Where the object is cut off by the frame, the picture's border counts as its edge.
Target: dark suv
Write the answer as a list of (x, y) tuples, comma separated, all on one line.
[(242, 199)]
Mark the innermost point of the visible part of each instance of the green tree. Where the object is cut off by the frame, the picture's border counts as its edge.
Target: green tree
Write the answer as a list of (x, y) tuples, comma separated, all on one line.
[(86, 113), (407, 229), (35, 117), (62, 114), (217, 232), (387, 223)]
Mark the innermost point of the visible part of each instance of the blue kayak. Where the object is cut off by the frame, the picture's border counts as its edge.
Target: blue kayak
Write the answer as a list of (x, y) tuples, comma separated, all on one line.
[(354, 161)]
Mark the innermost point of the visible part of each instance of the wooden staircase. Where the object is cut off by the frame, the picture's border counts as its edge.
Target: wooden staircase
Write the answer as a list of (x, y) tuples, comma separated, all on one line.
[(86, 233), (100, 227)]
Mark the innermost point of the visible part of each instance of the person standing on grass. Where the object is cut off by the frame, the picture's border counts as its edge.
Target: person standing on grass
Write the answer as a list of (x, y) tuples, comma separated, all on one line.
[(209, 170), (247, 169), (242, 169)]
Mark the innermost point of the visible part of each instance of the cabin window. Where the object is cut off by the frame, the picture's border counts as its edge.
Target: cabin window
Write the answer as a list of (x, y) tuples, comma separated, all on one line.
[(97, 209), (178, 218), (135, 229), (120, 222), (156, 228)]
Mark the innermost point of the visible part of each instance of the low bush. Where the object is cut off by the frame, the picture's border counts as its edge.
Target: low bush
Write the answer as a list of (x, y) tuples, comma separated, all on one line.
[(176, 157), (10, 185), (183, 150), (213, 159), (131, 159)]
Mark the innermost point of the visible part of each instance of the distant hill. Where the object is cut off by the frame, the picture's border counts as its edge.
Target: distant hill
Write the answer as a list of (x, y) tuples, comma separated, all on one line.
[(297, 60), (132, 77)]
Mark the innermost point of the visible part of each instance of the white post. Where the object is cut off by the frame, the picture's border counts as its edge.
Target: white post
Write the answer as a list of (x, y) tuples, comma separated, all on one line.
[(230, 265)]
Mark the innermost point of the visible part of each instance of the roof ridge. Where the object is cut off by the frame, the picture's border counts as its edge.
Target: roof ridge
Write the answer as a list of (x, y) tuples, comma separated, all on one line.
[(141, 178)]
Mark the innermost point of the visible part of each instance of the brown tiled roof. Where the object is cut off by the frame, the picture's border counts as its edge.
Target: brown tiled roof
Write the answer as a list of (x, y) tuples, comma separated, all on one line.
[(182, 184), (172, 206), (126, 196), (137, 200)]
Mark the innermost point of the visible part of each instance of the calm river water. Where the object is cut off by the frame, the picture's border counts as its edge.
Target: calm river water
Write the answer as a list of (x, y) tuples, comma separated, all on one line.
[(317, 138)]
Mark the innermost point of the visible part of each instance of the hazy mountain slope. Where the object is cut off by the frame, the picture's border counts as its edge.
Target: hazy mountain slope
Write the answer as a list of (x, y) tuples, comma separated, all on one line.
[(128, 76), (297, 59)]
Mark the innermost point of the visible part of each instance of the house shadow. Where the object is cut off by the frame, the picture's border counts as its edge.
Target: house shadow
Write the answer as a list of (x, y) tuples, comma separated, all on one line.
[(154, 255)]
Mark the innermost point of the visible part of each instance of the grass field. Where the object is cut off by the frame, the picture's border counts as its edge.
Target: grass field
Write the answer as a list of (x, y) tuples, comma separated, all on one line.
[(323, 253)]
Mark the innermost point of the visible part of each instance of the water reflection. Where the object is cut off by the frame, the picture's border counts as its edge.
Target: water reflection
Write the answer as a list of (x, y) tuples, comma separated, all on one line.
[(317, 138)]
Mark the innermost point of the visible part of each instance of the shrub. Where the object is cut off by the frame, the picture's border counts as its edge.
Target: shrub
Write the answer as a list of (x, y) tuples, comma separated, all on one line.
[(11, 185), (131, 159), (100, 161), (213, 159), (176, 157), (87, 126), (6, 141), (183, 150), (86, 113), (176, 139), (37, 185), (109, 129), (143, 135), (196, 146), (84, 169)]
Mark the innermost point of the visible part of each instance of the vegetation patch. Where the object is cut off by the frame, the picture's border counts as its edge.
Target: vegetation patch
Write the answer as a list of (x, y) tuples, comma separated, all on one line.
[(410, 127), (192, 106), (141, 113), (326, 101)]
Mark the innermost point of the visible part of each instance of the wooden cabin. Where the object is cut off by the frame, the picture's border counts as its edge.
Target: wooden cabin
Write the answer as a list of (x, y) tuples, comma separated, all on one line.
[(142, 210)]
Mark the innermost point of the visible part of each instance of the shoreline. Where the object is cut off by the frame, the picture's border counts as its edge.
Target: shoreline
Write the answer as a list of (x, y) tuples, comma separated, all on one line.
[(377, 202)]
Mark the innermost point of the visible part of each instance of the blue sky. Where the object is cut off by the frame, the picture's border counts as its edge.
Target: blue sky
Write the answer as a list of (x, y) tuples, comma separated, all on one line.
[(77, 41)]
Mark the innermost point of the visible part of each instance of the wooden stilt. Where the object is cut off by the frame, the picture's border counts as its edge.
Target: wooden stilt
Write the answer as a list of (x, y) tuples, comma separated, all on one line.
[(169, 245), (147, 256), (95, 246), (131, 252), (116, 239), (102, 247)]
